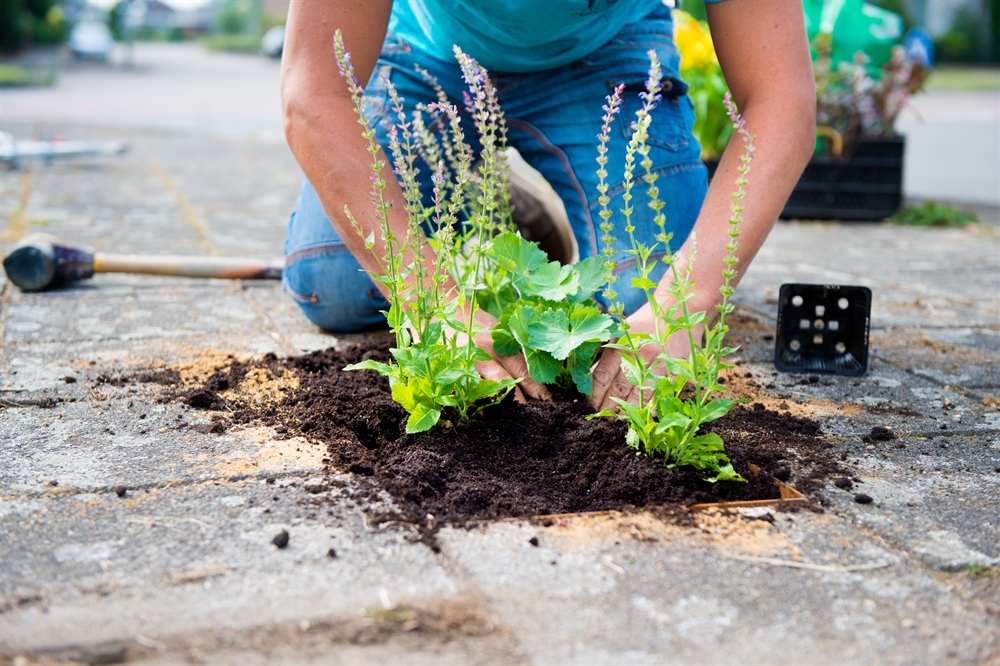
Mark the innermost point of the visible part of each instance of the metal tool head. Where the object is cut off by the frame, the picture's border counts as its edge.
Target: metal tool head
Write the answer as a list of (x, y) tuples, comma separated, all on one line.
[(40, 261)]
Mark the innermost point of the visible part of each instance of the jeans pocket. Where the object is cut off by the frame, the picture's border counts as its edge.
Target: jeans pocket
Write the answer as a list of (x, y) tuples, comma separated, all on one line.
[(670, 127), (286, 286)]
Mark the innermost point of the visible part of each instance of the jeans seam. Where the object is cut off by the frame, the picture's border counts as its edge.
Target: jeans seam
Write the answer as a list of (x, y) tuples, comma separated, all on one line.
[(312, 298), (314, 251), (568, 168)]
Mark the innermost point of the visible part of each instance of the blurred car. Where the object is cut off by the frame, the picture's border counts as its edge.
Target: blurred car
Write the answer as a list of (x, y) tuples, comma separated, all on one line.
[(273, 41), (91, 39)]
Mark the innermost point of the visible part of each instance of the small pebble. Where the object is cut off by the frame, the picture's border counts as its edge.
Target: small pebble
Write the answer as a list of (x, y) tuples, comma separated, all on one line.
[(533, 541), (861, 498), (332, 554), (843, 483), (120, 491), (281, 541)]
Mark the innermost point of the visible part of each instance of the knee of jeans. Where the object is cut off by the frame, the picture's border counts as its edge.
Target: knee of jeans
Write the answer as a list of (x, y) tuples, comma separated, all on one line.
[(335, 300)]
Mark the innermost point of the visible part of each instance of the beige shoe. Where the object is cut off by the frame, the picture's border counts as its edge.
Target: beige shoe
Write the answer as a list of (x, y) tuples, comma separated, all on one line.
[(539, 213)]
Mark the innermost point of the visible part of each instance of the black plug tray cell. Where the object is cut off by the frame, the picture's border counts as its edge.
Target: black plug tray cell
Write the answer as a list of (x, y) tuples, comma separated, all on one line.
[(823, 329)]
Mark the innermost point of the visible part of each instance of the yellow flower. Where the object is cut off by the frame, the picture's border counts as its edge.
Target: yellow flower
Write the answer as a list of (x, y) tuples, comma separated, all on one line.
[(694, 44)]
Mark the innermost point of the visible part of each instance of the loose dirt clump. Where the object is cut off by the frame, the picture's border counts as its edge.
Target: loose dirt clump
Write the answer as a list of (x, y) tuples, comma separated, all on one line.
[(510, 460)]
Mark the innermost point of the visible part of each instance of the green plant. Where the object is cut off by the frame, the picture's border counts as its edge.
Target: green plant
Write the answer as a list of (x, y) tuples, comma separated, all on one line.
[(982, 569), (850, 102), (432, 316), (676, 396), (546, 312), (933, 214)]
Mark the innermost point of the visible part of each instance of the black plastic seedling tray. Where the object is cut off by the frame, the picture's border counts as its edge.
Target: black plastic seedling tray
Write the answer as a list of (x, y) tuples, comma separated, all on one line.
[(823, 329), (865, 185)]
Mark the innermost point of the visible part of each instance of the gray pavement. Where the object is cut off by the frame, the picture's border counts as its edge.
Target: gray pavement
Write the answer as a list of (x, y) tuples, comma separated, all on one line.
[(181, 568)]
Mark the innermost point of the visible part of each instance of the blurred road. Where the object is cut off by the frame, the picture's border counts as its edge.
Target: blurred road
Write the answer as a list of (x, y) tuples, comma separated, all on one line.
[(172, 86), (953, 151), (953, 146)]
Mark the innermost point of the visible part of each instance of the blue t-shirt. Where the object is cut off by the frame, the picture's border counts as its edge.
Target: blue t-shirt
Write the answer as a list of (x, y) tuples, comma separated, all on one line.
[(515, 35)]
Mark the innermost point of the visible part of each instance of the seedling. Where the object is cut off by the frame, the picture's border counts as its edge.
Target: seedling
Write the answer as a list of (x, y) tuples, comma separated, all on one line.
[(547, 313), (431, 314), (676, 396)]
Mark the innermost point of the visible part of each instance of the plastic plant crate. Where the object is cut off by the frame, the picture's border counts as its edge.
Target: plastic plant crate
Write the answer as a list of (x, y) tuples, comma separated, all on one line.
[(867, 185), (823, 329)]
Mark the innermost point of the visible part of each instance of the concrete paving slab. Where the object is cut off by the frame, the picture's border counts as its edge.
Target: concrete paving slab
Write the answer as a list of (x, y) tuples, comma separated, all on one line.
[(930, 278), (97, 568), (644, 595)]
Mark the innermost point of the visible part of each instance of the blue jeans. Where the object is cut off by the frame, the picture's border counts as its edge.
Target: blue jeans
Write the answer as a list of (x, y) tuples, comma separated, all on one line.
[(554, 118)]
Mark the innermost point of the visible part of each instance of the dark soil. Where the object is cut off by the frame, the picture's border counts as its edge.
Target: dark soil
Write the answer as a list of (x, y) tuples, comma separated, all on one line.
[(281, 539), (512, 460), (878, 434)]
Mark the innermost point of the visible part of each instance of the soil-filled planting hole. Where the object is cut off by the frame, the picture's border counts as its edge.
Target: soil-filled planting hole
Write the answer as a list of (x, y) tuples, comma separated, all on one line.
[(510, 460)]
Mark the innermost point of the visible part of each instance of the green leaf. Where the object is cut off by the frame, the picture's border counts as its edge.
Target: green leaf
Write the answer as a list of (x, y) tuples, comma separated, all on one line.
[(553, 281), (585, 353), (422, 418), (582, 378), (671, 420), (554, 332), (434, 331), (591, 277), (541, 366), (515, 254), (643, 283), (504, 343), (383, 369), (403, 394), (486, 388), (726, 473), (715, 410), (519, 321), (605, 412), (632, 438), (708, 442), (632, 370)]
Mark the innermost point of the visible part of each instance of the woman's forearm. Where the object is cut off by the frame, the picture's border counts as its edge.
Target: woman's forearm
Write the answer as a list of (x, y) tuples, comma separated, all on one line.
[(784, 136)]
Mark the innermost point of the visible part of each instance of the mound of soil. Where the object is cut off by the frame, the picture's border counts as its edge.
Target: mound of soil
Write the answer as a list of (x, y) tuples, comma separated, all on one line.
[(513, 460)]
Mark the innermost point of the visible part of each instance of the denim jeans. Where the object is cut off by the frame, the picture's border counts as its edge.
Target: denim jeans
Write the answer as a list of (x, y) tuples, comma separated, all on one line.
[(554, 118)]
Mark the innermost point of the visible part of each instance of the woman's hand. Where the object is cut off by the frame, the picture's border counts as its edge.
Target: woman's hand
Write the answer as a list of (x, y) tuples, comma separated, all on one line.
[(610, 380)]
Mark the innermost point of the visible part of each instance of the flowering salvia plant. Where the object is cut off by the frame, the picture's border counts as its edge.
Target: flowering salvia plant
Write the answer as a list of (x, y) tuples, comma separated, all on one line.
[(431, 314), (677, 396)]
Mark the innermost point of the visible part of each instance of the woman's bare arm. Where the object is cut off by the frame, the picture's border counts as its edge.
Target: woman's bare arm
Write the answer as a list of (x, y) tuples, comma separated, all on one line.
[(764, 54), (322, 131)]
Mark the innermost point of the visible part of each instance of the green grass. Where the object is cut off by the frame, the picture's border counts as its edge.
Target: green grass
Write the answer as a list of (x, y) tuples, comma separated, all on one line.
[(242, 43), (950, 77), (933, 214), (15, 75), (12, 75)]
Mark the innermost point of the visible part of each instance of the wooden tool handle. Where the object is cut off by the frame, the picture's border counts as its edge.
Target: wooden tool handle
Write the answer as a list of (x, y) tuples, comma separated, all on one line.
[(230, 268)]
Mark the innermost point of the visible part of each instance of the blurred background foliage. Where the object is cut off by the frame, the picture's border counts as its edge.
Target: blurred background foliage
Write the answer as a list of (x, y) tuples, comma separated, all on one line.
[(26, 23)]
